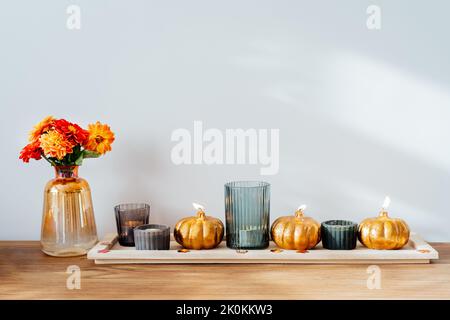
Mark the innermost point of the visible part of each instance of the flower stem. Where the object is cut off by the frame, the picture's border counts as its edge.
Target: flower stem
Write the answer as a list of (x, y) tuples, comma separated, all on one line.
[(48, 160)]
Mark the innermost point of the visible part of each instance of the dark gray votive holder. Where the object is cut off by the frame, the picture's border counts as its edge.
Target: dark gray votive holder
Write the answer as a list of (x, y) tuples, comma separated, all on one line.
[(128, 217), (152, 237), (339, 234)]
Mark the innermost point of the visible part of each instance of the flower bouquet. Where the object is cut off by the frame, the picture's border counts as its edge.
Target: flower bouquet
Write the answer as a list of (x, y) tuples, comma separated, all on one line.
[(63, 143), (68, 224)]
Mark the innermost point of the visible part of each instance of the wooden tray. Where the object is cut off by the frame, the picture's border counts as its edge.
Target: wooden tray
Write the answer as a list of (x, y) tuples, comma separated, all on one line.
[(109, 251)]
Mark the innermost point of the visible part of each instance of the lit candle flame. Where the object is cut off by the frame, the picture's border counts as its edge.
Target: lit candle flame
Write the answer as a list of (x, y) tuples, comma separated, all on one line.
[(386, 203), (302, 207), (198, 206)]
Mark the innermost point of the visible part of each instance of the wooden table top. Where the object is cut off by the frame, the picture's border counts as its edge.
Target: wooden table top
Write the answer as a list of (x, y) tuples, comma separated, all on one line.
[(27, 273)]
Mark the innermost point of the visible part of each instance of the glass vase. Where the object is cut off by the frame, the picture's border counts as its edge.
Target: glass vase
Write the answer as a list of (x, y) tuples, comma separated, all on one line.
[(68, 224), (247, 213)]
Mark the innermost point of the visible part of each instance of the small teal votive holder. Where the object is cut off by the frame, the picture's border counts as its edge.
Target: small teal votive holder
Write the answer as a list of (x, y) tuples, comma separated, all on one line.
[(339, 234)]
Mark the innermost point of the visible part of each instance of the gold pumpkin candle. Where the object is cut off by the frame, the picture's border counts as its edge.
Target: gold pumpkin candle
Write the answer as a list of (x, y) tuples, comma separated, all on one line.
[(199, 232), (383, 232), (296, 232)]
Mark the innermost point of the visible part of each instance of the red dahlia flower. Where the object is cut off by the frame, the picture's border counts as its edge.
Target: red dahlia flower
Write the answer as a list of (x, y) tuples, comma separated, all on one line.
[(31, 151), (71, 131)]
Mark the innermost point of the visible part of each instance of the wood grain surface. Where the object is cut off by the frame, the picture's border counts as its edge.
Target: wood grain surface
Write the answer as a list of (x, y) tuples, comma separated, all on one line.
[(27, 273)]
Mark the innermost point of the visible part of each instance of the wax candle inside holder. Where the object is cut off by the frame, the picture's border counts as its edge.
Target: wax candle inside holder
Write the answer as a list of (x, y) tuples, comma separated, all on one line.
[(248, 238), (128, 217)]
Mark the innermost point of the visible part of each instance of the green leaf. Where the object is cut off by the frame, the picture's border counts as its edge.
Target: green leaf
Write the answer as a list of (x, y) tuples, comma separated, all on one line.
[(90, 154), (79, 160)]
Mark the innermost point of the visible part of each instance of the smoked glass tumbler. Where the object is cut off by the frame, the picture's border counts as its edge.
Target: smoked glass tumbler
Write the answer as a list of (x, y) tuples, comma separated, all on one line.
[(128, 217), (247, 213)]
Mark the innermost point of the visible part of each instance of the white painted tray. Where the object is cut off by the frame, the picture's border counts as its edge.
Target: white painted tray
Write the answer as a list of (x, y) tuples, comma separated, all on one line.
[(109, 251)]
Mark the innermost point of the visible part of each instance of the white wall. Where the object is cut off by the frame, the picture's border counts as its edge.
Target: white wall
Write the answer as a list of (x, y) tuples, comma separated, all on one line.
[(361, 113)]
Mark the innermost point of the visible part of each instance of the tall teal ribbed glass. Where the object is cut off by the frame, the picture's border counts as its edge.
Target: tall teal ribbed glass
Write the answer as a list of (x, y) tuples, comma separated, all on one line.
[(247, 213)]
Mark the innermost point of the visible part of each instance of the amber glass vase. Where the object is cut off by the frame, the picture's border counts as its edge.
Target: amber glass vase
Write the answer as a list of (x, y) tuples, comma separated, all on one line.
[(68, 224)]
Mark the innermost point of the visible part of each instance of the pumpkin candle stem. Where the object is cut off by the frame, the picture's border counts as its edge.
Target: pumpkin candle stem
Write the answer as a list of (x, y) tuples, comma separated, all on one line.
[(383, 213), (200, 214), (386, 203), (299, 213), (200, 210)]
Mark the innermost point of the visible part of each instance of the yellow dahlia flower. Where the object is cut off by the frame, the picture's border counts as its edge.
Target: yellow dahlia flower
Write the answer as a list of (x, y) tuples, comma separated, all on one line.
[(55, 145), (100, 138)]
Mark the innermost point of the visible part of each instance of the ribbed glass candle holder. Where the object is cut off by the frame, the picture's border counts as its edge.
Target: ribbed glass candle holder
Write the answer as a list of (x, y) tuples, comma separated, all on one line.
[(247, 213), (128, 217), (152, 237), (339, 234)]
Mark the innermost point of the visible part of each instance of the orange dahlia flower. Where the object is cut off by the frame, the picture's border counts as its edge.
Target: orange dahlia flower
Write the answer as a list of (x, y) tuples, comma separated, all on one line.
[(31, 151), (100, 138), (55, 145), (73, 132), (42, 127)]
